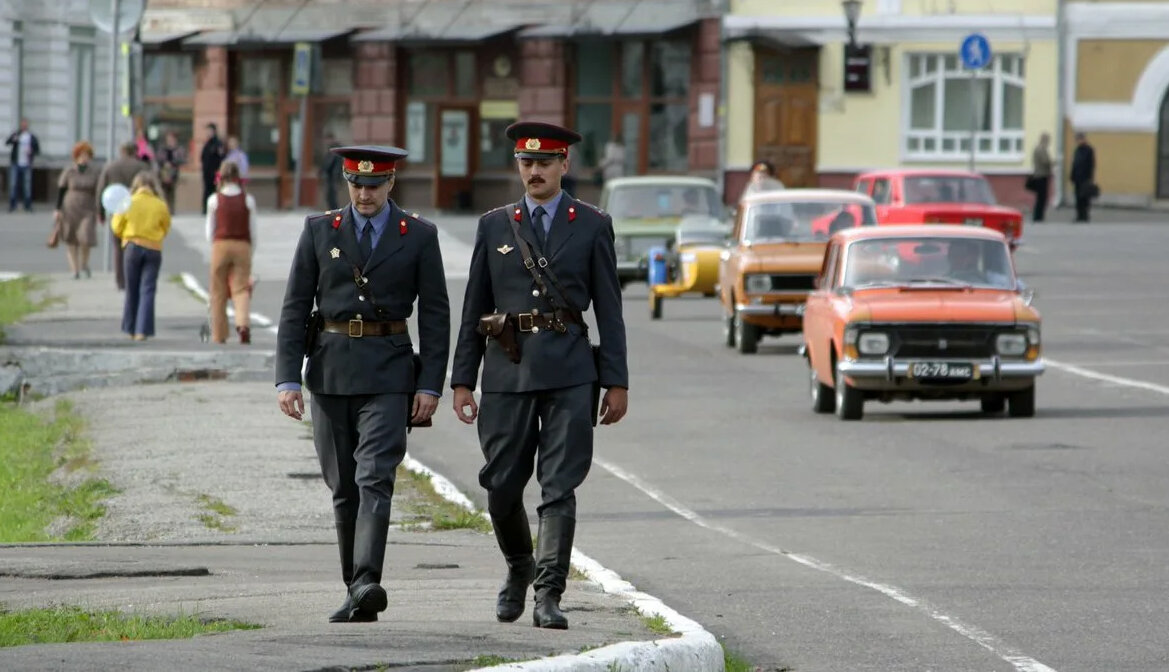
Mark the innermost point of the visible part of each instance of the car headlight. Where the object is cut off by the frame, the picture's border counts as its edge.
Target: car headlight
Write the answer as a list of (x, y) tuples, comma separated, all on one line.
[(1011, 345), (758, 283), (873, 343), (1033, 336)]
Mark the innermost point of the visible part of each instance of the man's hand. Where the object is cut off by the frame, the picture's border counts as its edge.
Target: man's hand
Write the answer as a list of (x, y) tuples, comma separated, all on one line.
[(464, 397), (424, 405), (614, 405), (291, 404)]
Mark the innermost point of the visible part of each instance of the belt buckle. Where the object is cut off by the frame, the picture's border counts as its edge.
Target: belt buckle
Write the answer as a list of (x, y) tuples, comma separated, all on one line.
[(531, 328), (359, 332)]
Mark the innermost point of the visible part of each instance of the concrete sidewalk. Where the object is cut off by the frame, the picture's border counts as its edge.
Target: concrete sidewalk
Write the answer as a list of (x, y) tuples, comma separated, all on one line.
[(165, 446)]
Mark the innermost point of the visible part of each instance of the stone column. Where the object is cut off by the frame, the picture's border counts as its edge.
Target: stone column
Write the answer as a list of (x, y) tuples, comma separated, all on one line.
[(373, 111), (544, 81), (704, 79)]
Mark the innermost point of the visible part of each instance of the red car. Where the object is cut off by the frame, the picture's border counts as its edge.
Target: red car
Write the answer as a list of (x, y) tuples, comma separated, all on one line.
[(934, 196)]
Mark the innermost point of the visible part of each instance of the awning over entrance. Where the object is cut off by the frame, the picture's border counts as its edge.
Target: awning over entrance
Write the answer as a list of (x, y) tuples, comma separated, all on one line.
[(227, 38), (160, 38), (619, 20), (418, 35), (795, 31)]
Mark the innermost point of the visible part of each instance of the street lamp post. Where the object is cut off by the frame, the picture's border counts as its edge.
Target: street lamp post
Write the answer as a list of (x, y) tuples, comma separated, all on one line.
[(852, 12)]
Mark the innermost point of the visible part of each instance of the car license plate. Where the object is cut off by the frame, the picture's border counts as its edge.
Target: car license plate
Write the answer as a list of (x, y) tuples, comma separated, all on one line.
[(973, 221), (942, 370)]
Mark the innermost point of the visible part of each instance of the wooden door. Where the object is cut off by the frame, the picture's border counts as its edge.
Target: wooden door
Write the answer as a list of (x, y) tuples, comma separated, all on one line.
[(457, 140), (786, 109)]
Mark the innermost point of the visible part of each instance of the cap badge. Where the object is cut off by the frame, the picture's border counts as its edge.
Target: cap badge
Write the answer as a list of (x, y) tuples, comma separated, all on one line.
[(365, 167), (532, 143)]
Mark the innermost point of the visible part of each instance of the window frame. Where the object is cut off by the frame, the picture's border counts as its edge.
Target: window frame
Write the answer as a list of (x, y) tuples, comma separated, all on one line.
[(435, 100), (82, 52), (1008, 68), (185, 134)]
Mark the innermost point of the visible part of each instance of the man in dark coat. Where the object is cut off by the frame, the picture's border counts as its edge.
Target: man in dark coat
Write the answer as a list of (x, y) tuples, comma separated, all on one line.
[(1084, 177), (363, 266), (211, 158), (539, 370), (121, 170)]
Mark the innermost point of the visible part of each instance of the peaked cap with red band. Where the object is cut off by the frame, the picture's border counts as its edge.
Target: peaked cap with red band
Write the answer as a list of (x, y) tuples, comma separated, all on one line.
[(369, 165), (535, 140)]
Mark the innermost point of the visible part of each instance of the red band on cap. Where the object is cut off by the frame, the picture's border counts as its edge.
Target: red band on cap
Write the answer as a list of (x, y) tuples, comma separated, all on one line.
[(541, 145), (367, 167)]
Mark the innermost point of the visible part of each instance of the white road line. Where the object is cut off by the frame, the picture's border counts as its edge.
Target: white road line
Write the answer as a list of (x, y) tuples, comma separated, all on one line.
[(977, 635), (1107, 378)]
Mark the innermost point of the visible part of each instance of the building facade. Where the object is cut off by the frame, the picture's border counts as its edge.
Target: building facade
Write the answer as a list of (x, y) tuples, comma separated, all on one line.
[(54, 71), (1117, 93), (442, 80), (787, 100)]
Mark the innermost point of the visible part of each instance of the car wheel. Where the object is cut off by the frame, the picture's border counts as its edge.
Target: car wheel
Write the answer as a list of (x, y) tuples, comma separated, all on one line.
[(850, 403), (994, 403), (1021, 404), (823, 397), (747, 335), (729, 331), (709, 295), (655, 307)]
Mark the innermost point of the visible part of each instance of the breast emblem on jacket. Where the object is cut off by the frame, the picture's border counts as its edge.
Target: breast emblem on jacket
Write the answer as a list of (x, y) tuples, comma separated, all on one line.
[(504, 249), (335, 253)]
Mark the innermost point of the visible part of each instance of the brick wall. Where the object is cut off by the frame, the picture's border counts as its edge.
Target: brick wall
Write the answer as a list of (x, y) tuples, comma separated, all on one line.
[(374, 108), (704, 79), (543, 82), (211, 101)]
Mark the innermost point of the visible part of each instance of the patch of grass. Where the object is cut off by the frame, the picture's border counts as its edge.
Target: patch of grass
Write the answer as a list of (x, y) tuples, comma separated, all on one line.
[(32, 449), (16, 300), (217, 513), (657, 624), (575, 574), (734, 663), (71, 624), (423, 503), (492, 661)]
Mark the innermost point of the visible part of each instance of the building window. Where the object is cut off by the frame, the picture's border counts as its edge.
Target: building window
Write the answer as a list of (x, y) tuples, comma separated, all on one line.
[(434, 78), (259, 82), (81, 73), (640, 92), (168, 96), (17, 72), (945, 103)]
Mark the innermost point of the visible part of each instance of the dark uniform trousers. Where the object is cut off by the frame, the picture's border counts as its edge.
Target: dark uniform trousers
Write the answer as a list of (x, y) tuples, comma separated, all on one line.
[(537, 414), (361, 387)]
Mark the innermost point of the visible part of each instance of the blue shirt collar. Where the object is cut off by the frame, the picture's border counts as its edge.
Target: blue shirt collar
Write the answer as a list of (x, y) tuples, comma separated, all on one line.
[(379, 220), (550, 207)]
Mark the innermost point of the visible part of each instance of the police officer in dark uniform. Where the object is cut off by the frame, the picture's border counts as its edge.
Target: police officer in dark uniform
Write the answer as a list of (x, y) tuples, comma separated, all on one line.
[(538, 398), (363, 266)]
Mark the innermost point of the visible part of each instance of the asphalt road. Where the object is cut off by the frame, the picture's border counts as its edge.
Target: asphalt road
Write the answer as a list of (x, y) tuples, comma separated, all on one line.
[(925, 537)]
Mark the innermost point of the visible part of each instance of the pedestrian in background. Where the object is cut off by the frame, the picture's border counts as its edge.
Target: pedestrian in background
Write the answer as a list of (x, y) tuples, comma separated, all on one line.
[(364, 268), (231, 229), (238, 157), (330, 170), (210, 159), (142, 146), (613, 159), (141, 229), (1084, 177), (541, 377), (761, 178), (1040, 181), (171, 157), (76, 211), (121, 170), (25, 148)]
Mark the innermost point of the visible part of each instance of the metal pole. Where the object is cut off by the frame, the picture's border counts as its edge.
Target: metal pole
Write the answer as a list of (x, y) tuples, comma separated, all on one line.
[(300, 157), (973, 116), (111, 149), (1061, 101)]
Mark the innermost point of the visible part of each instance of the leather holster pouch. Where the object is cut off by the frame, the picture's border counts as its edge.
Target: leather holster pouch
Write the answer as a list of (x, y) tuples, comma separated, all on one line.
[(312, 331), (497, 326)]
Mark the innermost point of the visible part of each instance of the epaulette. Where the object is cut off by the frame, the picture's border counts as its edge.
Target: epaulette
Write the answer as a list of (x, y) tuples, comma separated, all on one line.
[(492, 210), (590, 206), (414, 218)]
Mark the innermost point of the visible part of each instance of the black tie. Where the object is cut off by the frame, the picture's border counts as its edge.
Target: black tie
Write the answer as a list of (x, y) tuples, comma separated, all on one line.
[(538, 223), (366, 242)]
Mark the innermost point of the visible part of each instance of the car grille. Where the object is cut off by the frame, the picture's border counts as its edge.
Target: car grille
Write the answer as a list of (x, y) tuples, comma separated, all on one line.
[(792, 282), (943, 341)]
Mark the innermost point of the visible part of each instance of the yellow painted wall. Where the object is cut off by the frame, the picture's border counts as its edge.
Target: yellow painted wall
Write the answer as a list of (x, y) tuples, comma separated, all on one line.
[(1108, 70), (864, 130), (908, 7), (740, 106), (1126, 163)]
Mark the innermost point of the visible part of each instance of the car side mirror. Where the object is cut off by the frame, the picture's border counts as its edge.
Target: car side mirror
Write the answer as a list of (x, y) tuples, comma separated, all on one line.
[(1025, 292)]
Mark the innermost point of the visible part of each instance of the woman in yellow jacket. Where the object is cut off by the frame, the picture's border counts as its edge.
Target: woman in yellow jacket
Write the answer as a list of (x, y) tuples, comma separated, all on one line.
[(141, 229)]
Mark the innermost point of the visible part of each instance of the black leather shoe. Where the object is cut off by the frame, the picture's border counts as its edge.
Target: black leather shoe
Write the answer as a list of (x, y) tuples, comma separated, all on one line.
[(369, 598), (547, 613), (510, 605), (347, 614)]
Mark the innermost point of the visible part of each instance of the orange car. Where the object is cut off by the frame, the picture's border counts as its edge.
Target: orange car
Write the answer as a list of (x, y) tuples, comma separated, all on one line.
[(947, 321), (934, 196), (776, 249)]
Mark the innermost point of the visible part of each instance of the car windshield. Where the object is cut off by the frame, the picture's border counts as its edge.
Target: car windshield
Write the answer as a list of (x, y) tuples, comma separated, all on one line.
[(700, 236), (654, 201), (800, 221), (929, 260), (948, 189)]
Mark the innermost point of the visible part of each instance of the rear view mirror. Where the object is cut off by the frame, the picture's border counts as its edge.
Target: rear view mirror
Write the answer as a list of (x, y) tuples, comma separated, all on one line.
[(927, 248)]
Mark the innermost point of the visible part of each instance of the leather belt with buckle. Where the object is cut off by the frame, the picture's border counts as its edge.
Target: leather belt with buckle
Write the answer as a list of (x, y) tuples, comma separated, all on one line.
[(533, 322), (362, 328)]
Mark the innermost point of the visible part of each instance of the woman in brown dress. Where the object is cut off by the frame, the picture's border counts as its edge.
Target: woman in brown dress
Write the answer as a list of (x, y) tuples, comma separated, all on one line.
[(77, 208)]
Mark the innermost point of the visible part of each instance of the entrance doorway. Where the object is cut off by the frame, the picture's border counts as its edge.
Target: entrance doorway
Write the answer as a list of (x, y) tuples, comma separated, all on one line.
[(1163, 150), (786, 108), (456, 142)]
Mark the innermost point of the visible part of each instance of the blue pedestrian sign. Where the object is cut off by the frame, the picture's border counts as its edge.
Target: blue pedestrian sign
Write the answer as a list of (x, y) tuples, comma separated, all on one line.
[(302, 64), (975, 51)]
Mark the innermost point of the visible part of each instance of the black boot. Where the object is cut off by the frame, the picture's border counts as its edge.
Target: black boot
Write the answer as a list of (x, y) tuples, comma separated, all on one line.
[(346, 530), (515, 540), (369, 551), (553, 559)]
